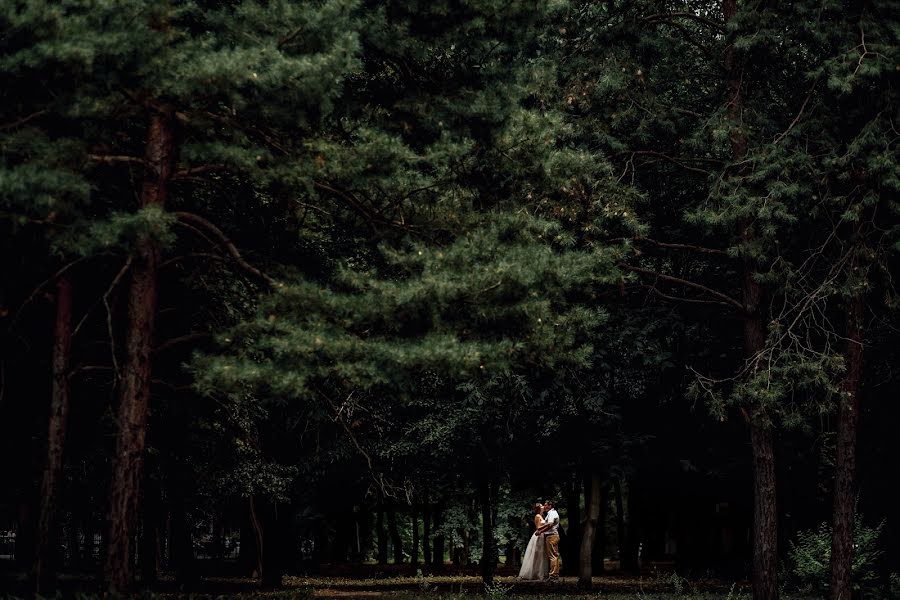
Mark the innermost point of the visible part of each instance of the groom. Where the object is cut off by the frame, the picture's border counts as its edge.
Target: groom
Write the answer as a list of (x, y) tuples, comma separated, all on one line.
[(550, 531)]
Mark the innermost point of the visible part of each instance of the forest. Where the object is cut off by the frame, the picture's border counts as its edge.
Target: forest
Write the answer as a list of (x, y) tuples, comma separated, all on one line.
[(304, 289)]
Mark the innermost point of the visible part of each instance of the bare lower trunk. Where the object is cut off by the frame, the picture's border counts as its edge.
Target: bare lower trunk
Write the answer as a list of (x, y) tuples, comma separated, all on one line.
[(258, 539), (588, 534), (845, 458), (487, 531), (414, 558), (396, 540), (437, 555), (134, 397), (46, 546), (620, 521), (426, 533), (382, 537)]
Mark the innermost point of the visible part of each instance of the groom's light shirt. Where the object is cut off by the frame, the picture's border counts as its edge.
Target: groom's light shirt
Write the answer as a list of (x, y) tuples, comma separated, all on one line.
[(552, 517)]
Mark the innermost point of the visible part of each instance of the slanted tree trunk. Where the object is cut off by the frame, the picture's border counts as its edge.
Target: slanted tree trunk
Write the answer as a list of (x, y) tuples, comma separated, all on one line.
[(845, 458), (487, 533), (134, 396), (394, 532), (46, 543), (588, 534)]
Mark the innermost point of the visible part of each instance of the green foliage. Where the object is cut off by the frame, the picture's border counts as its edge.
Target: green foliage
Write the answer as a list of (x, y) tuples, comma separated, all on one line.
[(810, 555)]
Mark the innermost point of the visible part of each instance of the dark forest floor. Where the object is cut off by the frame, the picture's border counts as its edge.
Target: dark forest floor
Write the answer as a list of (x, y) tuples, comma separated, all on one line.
[(395, 581)]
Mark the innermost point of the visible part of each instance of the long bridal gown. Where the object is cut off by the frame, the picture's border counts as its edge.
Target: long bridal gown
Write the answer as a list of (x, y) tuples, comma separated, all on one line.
[(535, 564)]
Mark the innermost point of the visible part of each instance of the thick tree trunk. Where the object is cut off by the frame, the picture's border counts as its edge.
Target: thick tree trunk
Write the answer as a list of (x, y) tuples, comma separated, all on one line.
[(845, 458), (765, 526), (599, 551), (588, 534), (134, 397), (394, 532), (47, 543), (426, 533), (277, 526), (382, 537), (414, 558), (487, 533)]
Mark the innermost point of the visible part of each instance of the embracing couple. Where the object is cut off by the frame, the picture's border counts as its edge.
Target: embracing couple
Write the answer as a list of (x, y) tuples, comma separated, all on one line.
[(542, 560)]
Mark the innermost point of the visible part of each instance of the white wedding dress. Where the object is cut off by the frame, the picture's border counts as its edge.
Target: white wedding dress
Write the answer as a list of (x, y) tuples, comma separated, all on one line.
[(535, 564)]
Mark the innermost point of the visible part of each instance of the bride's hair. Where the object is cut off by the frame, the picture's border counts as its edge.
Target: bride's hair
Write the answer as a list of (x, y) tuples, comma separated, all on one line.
[(538, 507)]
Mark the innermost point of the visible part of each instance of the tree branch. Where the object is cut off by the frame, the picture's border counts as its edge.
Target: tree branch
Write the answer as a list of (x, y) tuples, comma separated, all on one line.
[(112, 159), (182, 339), (684, 282), (23, 120), (226, 243), (655, 18), (690, 247)]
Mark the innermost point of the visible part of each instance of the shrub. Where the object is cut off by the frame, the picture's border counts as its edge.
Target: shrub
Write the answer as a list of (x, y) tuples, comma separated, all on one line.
[(810, 555)]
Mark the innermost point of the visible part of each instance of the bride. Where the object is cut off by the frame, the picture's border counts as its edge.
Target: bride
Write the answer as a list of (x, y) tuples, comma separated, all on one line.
[(535, 564)]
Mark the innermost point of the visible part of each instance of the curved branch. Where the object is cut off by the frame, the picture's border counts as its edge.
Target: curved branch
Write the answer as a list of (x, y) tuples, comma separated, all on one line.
[(226, 243), (684, 282)]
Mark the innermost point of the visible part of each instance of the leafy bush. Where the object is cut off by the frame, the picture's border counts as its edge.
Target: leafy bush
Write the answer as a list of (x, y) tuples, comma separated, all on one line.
[(810, 555)]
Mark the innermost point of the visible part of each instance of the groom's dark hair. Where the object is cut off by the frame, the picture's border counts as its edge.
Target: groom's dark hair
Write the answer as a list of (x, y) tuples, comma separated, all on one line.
[(550, 502)]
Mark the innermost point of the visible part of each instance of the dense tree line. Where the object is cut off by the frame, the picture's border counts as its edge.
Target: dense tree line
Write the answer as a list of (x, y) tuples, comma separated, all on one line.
[(363, 278)]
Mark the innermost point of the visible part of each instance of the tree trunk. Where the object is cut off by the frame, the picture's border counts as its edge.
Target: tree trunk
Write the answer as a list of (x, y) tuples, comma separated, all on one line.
[(414, 558), (573, 533), (588, 534), (487, 534), (620, 522), (150, 547), (255, 558), (47, 543), (394, 532), (437, 554), (845, 458), (134, 397), (426, 533), (182, 549), (382, 537), (277, 526), (765, 527), (633, 533)]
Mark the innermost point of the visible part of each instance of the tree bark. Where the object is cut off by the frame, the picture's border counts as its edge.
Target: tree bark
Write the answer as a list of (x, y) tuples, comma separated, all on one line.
[(437, 554), (765, 527), (254, 557), (588, 534), (845, 458), (487, 534), (414, 558), (150, 546), (620, 522), (394, 532), (573, 532), (134, 397), (426, 533), (382, 537), (46, 544)]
